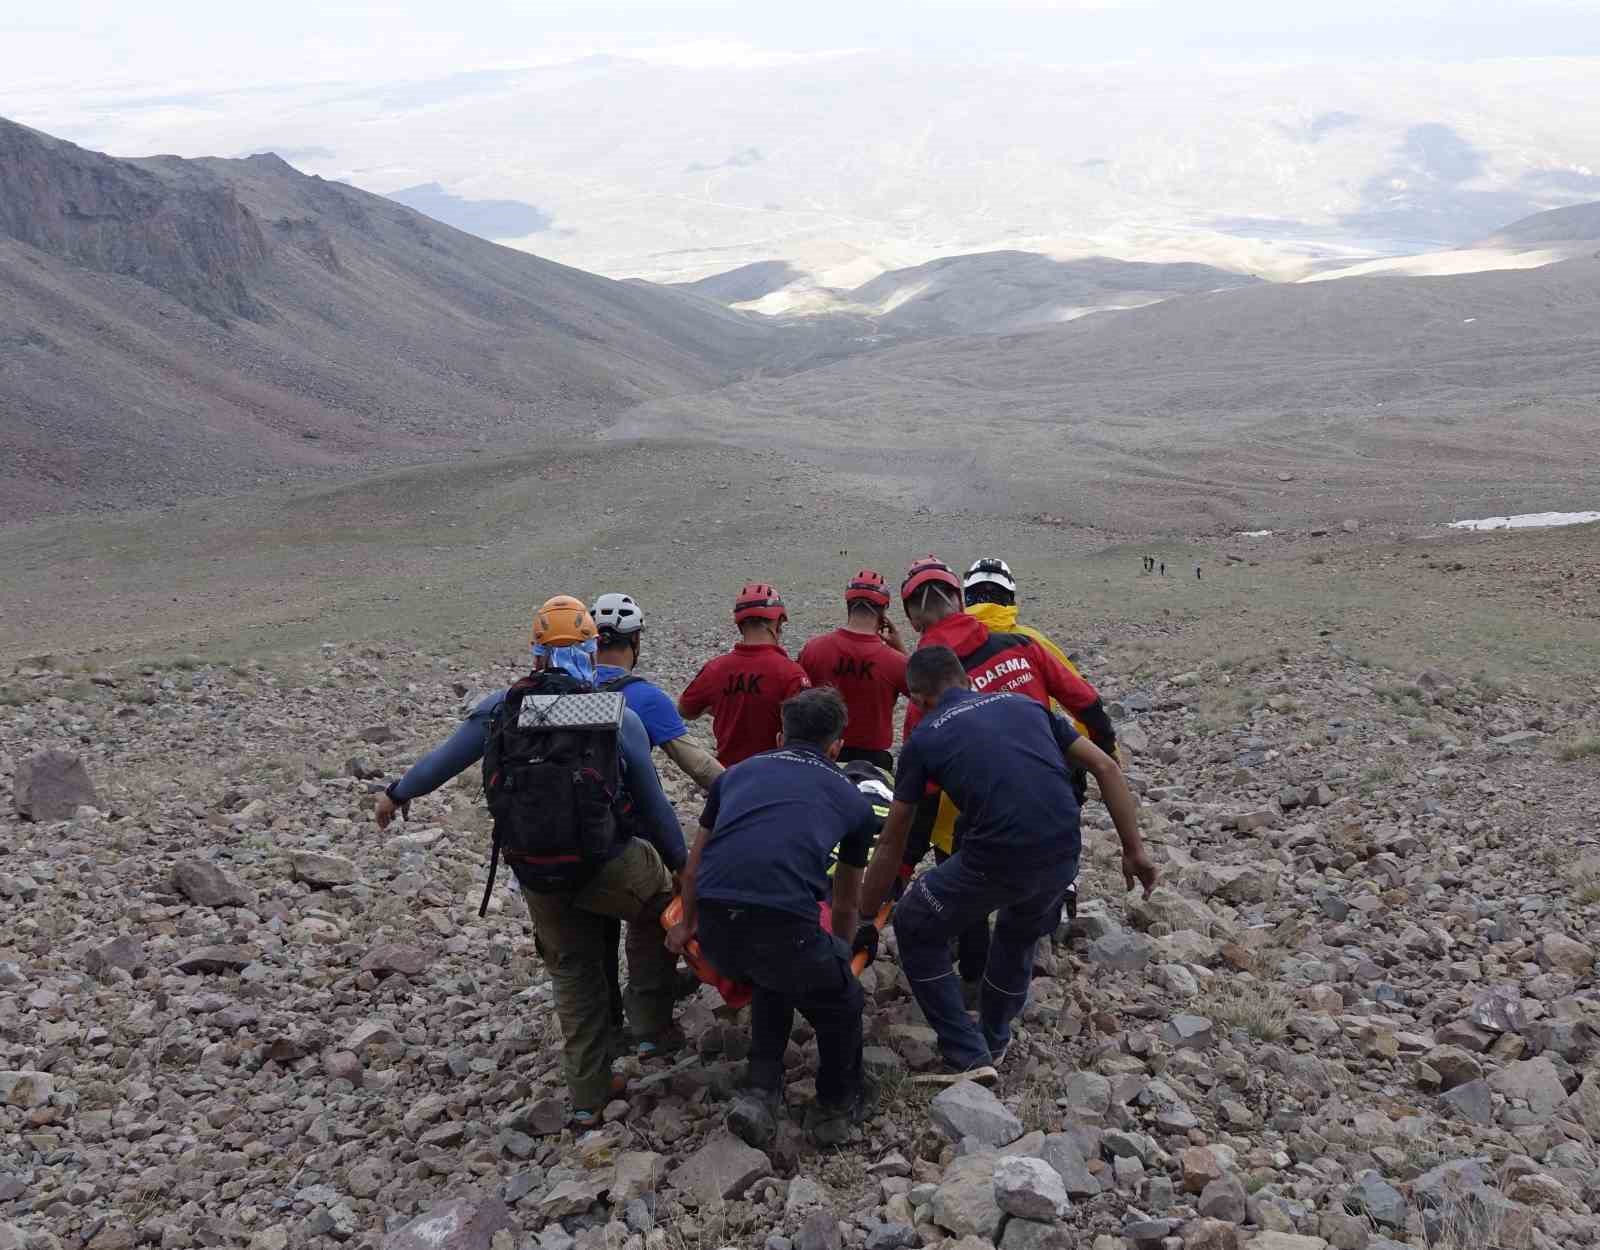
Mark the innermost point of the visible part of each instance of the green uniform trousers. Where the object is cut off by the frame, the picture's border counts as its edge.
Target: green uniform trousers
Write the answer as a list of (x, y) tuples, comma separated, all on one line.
[(634, 887)]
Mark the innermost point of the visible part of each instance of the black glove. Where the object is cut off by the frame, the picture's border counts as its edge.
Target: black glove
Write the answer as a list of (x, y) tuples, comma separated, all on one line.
[(865, 941)]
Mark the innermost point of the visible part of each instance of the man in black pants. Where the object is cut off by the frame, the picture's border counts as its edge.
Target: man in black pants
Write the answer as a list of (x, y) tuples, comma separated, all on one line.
[(751, 890)]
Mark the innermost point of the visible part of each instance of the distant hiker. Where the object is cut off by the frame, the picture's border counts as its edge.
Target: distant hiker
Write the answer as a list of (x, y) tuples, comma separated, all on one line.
[(1019, 848), (751, 890), (1163, 568), (865, 661), (744, 689), (1197, 572), (570, 783), (620, 622)]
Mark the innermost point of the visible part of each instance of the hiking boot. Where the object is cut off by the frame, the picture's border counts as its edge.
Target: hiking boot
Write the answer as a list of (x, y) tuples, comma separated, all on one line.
[(753, 1118), (982, 1074), (830, 1124)]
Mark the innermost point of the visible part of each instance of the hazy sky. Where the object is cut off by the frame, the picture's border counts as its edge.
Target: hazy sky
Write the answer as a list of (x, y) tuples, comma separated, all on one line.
[(202, 43)]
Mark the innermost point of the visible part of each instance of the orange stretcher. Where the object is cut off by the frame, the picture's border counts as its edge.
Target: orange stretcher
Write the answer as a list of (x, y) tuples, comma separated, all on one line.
[(737, 993)]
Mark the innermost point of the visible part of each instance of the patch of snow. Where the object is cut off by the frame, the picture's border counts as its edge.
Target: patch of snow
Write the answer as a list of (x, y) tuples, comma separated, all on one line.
[(1447, 264), (1527, 521), (1253, 534)]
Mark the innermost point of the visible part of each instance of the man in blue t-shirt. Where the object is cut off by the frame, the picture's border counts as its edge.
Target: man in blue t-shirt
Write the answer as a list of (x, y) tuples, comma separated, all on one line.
[(1004, 760), (620, 621), (751, 893)]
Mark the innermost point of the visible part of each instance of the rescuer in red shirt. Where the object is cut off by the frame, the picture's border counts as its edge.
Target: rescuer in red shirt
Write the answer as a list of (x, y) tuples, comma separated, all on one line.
[(865, 662), (744, 689)]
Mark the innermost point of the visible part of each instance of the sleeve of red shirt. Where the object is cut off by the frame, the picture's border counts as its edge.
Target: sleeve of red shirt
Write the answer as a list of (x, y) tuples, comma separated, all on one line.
[(808, 660), (696, 696), (1076, 695), (1065, 686)]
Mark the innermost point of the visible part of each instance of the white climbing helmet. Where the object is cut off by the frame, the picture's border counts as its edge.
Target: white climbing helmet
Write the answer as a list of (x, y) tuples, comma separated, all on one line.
[(991, 570), (617, 613)]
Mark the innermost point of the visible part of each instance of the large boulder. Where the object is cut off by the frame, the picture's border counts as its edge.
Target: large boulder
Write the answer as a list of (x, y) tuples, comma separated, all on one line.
[(1062, 1153), (968, 1109), (458, 1224), (52, 785), (207, 885)]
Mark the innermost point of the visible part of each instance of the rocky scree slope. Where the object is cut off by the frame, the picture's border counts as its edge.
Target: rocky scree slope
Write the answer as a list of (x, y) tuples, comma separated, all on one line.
[(1362, 1011), (172, 327)]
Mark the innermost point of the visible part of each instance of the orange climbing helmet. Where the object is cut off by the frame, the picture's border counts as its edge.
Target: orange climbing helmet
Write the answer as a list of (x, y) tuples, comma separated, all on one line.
[(562, 622)]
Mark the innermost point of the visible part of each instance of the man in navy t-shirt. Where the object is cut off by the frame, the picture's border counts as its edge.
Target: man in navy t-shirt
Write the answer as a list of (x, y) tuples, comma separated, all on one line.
[(751, 891), (1004, 761)]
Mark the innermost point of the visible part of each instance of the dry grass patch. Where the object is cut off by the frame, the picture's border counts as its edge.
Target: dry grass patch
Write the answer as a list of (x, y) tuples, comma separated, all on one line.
[(1581, 748), (1584, 879), (1261, 1010)]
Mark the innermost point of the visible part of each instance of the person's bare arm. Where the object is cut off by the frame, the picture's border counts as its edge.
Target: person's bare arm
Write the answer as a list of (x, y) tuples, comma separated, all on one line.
[(1137, 866), (885, 865), (694, 761), (678, 936), (846, 901)]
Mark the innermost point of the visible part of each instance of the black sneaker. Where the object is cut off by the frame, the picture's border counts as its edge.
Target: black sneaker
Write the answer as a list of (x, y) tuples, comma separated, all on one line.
[(753, 1118), (830, 1124)]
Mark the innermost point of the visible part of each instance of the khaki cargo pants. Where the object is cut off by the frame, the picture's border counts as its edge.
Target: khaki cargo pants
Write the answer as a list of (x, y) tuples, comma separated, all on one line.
[(634, 887)]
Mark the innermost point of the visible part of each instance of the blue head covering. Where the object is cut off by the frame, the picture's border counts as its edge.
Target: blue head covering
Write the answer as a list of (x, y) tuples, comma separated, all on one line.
[(576, 659)]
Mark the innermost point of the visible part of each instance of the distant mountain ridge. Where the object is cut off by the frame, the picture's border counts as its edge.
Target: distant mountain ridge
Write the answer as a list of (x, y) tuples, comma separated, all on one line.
[(172, 327), (1576, 223)]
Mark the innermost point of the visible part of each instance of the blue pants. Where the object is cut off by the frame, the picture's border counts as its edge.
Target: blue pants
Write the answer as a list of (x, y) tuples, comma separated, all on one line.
[(949, 900)]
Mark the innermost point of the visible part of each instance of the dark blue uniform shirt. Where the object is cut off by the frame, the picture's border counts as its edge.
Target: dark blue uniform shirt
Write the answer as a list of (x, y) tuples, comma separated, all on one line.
[(774, 820), (1002, 760)]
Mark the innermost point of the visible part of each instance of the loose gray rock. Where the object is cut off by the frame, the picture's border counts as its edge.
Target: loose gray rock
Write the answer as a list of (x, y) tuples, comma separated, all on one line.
[(1471, 1102), (393, 957), (1031, 1235), (1030, 1189), (722, 1168), (1224, 1199), (218, 959), (968, 1109), (1533, 1081), (207, 885), (123, 952), (25, 1089), (1188, 1032), (1061, 1152), (52, 785), (1121, 951), (320, 871), (819, 1231), (965, 1203), (458, 1224)]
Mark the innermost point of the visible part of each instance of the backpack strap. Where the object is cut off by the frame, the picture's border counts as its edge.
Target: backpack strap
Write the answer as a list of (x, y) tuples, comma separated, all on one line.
[(618, 684)]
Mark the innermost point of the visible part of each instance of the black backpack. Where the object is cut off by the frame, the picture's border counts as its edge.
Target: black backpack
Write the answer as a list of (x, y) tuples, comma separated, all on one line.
[(552, 773)]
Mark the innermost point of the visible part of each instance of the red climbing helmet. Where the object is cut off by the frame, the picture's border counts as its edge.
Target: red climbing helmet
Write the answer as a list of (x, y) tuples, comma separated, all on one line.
[(868, 586), (759, 602), (929, 570)]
